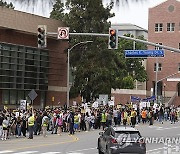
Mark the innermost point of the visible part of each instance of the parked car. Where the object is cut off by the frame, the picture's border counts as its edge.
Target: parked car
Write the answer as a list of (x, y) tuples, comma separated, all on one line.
[(121, 139)]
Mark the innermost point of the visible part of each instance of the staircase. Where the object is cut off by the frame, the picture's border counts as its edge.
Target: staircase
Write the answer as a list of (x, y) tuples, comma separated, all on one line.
[(175, 100)]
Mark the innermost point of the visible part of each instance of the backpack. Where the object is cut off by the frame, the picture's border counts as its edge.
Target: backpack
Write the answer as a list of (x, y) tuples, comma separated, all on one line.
[(46, 121), (149, 114), (60, 122)]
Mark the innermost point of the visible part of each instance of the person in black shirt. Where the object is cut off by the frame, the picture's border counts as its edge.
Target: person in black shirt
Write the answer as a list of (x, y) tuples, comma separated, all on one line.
[(24, 126), (19, 126)]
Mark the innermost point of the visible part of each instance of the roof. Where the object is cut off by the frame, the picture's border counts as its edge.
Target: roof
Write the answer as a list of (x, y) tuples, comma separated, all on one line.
[(124, 128), (128, 26)]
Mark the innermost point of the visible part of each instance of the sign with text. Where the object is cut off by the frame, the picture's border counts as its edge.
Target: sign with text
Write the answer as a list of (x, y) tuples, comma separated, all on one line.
[(143, 53)]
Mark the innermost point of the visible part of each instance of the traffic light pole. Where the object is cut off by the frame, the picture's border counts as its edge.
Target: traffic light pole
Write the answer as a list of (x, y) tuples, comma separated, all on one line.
[(129, 38), (124, 37)]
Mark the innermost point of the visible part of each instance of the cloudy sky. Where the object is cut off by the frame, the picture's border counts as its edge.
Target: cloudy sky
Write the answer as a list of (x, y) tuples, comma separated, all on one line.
[(135, 13)]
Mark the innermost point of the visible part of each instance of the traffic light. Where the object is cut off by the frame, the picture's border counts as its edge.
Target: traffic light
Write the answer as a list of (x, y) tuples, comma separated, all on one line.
[(113, 39), (42, 31)]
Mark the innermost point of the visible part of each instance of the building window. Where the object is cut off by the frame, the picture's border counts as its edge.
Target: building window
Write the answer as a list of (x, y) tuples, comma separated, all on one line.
[(158, 27), (158, 48), (170, 27), (5, 96), (159, 67)]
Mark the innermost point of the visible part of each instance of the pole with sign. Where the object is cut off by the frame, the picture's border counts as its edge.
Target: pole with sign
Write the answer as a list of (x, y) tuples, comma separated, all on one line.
[(143, 53), (52, 101), (32, 95), (63, 33)]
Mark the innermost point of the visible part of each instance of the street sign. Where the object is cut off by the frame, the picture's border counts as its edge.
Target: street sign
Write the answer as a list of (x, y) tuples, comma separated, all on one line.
[(32, 95), (143, 53), (63, 33)]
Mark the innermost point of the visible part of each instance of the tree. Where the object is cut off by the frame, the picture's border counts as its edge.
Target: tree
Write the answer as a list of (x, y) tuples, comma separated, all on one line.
[(134, 66), (95, 68), (5, 4)]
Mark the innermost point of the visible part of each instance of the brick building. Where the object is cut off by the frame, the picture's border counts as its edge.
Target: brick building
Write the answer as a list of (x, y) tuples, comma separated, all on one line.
[(24, 67), (164, 28)]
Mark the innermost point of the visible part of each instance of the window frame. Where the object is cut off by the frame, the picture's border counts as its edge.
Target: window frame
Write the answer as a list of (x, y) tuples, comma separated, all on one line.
[(158, 27), (170, 27)]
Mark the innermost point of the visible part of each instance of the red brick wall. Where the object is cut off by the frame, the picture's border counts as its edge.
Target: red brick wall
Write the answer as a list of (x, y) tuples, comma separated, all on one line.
[(124, 98), (160, 14)]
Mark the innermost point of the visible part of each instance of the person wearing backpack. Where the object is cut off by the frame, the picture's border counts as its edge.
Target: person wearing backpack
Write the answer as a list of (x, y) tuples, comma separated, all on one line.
[(45, 123), (59, 124)]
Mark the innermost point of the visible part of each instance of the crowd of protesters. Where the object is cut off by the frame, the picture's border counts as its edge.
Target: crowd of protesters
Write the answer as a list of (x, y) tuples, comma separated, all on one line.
[(19, 123)]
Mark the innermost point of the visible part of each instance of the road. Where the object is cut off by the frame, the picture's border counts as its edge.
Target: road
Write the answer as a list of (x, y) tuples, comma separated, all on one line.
[(85, 142)]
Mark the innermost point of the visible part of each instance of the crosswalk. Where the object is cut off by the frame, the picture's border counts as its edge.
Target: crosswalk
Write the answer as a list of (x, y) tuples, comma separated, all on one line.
[(36, 152)]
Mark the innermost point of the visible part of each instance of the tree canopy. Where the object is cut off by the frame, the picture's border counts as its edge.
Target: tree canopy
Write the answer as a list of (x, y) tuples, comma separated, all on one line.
[(95, 68), (5, 4)]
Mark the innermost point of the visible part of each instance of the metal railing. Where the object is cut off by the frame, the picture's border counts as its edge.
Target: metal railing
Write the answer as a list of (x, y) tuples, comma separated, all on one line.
[(170, 102)]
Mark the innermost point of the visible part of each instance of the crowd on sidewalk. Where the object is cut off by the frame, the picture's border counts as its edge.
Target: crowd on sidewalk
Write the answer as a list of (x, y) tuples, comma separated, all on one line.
[(19, 123)]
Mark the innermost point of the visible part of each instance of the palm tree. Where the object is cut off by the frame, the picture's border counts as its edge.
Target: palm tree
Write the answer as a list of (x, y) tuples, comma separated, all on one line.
[(44, 7)]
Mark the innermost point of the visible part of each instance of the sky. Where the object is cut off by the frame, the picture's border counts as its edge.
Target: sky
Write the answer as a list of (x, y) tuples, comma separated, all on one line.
[(135, 13)]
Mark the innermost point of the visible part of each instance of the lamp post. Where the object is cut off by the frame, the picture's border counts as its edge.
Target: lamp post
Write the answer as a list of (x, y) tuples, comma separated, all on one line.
[(68, 67), (156, 82), (164, 93)]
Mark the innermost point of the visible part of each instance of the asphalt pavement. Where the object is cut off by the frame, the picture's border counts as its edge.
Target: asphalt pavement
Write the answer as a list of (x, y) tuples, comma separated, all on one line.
[(86, 142)]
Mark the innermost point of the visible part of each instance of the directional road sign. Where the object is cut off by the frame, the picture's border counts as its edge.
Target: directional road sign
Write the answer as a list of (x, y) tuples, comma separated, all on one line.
[(32, 95), (143, 53)]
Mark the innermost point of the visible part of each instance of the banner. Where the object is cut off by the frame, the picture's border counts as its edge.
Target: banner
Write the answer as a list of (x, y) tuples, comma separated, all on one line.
[(148, 99), (22, 105), (135, 99), (138, 99)]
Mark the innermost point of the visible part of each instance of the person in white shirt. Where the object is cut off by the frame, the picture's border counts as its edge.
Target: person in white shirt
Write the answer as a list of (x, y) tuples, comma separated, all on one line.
[(115, 116), (5, 128)]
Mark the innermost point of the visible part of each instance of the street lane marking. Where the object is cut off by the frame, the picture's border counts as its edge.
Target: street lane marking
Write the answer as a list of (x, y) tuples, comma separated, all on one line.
[(168, 128), (75, 139), (81, 150), (74, 153), (154, 150), (149, 151), (5, 151), (156, 127), (26, 152), (50, 152)]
